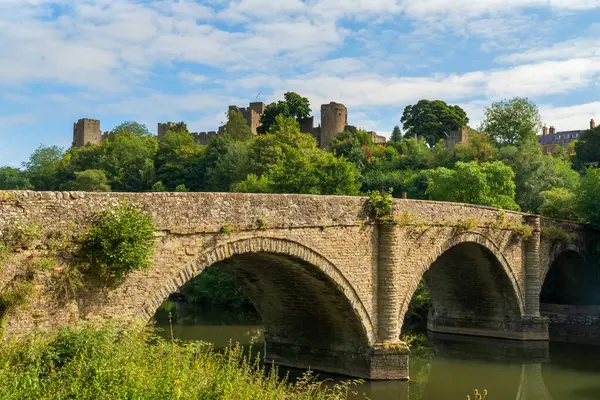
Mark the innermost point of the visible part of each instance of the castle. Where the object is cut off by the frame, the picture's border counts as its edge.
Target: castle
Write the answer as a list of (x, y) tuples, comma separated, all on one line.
[(334, 119)]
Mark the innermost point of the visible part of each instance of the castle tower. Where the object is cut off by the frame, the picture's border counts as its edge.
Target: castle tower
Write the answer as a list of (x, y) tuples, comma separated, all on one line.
[(592, 123), (163, 128), (86, 131), (334, 118)]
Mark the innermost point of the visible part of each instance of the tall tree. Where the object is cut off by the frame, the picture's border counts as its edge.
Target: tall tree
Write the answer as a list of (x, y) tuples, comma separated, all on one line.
[(432, 120), (42, 167), (294, 105), (396, 134), (237, 127), (512, 121), (587, 148)]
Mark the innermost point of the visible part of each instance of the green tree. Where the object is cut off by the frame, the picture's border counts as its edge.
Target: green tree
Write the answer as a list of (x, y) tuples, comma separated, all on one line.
[(588, 196), (14, 179), (42, 167), (559, 203), (128, 161), (488, 184), (237, 127), (512, 121), (479, 147), (396, 134), (587, 147), (179, 127), (132, 127), (91, 180), (178, 160), (535, 173), (432, 120), (294, 105)]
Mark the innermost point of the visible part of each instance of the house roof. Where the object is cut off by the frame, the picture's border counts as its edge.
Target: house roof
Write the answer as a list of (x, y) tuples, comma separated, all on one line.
[(563, 137)]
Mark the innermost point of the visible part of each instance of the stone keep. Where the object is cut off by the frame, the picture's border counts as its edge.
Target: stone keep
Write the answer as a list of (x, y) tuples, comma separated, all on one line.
[(334, 118), (86, 131)]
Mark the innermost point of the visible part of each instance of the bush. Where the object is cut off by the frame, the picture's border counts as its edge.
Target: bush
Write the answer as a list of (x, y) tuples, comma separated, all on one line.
[(106, 363), (119, 240), (380, 203)]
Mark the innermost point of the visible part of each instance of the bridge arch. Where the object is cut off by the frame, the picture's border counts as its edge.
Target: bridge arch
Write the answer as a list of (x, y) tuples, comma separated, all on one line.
[(339, 305), (569, 278), (471, 282)]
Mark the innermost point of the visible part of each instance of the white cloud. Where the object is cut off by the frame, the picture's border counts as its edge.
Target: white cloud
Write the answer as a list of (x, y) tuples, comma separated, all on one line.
[(571, 117), (574, 48)]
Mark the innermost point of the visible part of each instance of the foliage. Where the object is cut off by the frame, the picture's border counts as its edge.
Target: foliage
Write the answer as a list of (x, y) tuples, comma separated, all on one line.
[(42, 167), (380, 203), (23, 235), (535, 173), (396, 134), (559, 203), (237, 127), (216, 288), (512, 121), (119, 240), (14, 295), (294, 106), (432, 120), (489, 184), (415, 319), (588, 196), (587, 148), (479, 148), (132, 128), (556, 234), (13, 179), (109, 363), (91, 180)]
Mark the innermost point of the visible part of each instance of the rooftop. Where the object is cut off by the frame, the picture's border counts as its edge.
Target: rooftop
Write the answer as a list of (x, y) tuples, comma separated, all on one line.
[(560, 137)]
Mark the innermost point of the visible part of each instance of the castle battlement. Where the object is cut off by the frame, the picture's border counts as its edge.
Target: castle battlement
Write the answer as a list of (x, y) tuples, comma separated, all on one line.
[(334, 119)]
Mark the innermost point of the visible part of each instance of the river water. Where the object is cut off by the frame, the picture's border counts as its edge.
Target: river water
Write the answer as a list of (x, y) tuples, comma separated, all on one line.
[(450, 369)]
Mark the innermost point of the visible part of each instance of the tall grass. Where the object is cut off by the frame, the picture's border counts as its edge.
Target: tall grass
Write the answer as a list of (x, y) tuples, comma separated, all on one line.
[(109, 363)]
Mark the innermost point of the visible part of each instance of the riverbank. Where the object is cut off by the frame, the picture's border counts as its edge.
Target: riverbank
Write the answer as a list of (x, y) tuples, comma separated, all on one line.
[(108, 363)]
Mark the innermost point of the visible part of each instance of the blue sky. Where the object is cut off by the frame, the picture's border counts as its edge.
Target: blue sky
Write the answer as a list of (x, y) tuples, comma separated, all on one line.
[(173, 60)]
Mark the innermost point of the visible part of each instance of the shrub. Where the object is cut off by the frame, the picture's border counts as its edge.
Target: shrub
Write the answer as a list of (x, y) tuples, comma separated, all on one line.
[(380, 203), (119, 240)]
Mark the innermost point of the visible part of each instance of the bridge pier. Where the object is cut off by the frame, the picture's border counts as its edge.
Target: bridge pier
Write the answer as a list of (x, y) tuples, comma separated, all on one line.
[(379, 362), (526, 328)]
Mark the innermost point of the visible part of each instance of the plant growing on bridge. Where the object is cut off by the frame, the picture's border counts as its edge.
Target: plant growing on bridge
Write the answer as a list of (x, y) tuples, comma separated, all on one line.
[(380, 204), (120, 240)]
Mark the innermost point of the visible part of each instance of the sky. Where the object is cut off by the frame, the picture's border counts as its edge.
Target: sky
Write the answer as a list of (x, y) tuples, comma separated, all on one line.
[(181, 60)]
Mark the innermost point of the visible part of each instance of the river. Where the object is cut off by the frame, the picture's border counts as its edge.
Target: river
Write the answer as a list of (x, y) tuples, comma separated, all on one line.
[(453, 368)]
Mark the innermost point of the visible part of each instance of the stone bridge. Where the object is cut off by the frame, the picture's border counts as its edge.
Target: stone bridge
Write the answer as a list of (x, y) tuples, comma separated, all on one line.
[(331, 284)]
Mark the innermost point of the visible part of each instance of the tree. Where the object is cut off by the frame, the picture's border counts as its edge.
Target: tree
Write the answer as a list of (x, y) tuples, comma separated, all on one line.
[(237, 127), (588, 196), (13, 179), (41, 169), (294, 105), (132, 127), (432, 120), (479, 147), (559, 203), (396, 134), (91, 180), (587, 148), (512, 122), (535, 173), (488, 184), (177, 160)]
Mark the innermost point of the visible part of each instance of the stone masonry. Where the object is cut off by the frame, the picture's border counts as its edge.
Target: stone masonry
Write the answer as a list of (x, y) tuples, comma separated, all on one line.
[(331, 285)]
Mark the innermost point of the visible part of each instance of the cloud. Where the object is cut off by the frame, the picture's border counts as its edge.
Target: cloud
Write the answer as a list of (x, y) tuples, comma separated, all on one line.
[(574, 48), (570, 117)]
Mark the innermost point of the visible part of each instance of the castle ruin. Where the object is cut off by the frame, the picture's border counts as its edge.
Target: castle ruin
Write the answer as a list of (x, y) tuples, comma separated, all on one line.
[(334, 119)]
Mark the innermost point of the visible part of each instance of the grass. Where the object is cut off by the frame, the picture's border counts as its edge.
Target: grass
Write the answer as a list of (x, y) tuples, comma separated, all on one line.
[(109, 363)]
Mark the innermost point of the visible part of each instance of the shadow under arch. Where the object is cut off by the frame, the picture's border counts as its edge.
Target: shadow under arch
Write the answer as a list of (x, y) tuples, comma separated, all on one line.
[(474, 291), (305, 302), (570, 296)]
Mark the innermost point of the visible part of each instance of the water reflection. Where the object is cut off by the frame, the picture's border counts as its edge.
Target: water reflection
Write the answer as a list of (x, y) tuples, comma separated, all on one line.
[(507, 369)]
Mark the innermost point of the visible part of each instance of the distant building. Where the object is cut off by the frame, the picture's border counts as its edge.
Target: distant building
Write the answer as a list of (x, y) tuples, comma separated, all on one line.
[(550, 140), (456, 137)]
